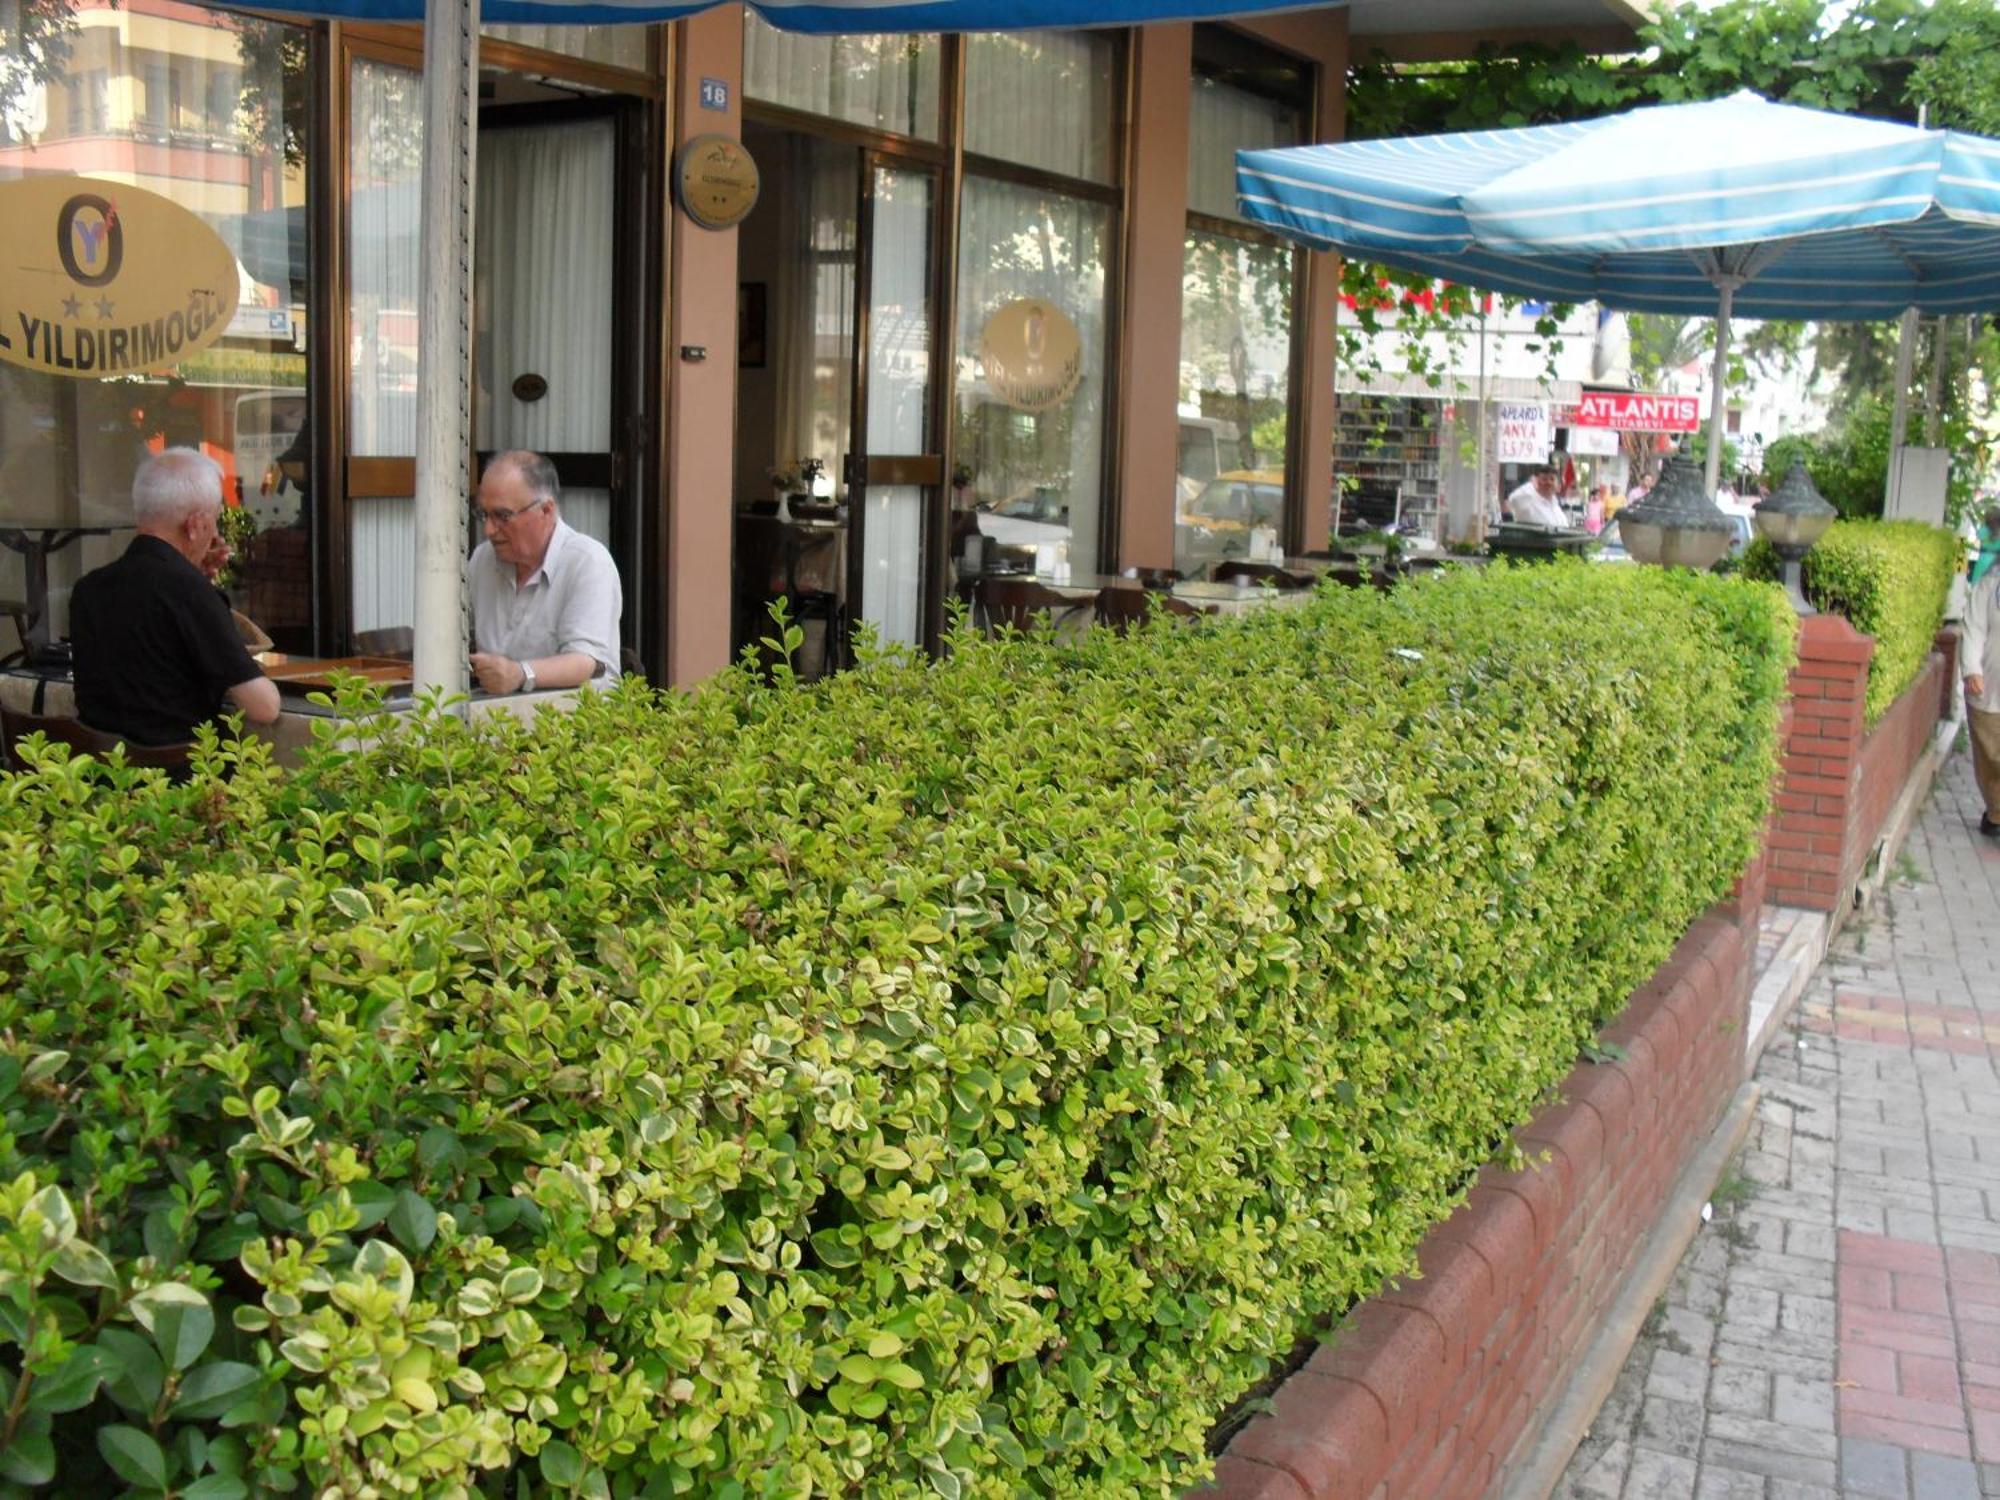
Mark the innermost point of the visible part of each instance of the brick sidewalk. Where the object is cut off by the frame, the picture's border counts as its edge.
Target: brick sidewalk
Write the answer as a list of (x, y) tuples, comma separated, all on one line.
[(1835, 1331)]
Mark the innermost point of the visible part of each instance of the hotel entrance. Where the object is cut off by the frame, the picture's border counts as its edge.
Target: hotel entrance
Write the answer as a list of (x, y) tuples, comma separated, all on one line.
[(562, 247)]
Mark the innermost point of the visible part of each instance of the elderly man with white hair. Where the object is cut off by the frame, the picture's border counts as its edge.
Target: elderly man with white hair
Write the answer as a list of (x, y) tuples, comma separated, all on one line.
[(154, 649), (546, 602)]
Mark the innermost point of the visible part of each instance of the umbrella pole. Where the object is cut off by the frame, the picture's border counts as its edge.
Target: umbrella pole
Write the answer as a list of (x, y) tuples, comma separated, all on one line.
[(1713, 473), (444, 392)]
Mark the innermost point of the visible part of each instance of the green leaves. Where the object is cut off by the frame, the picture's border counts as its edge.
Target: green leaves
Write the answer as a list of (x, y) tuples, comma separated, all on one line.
[(133, 1456), (180, 1320), (948, 1079)]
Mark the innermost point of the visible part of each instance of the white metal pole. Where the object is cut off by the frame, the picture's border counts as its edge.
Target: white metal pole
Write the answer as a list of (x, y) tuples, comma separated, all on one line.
[(1713, 474), (444, 337), (1899, 410), (1482, 492)]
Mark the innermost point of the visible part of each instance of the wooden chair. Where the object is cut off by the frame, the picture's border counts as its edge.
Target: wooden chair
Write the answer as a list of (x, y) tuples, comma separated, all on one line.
[(17, 611), (1001, 602), (390, 640), (80, 737)]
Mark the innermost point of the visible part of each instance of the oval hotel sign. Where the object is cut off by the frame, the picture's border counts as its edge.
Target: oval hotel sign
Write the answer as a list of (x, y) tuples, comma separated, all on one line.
[(98, 278), (1032, 355)]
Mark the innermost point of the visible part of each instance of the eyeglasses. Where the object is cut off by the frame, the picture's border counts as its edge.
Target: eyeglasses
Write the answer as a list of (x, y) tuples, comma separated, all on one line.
[(504, 518)]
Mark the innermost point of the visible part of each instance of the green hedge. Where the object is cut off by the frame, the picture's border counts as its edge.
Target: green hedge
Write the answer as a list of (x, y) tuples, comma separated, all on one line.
[(1889, 580), (957, 1079)]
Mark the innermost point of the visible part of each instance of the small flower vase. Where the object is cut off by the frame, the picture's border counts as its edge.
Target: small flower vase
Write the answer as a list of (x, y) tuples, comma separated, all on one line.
[(784, 505)]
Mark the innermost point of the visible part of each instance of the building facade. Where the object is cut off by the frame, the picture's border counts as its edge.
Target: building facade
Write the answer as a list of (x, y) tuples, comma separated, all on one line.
[(930, 207)]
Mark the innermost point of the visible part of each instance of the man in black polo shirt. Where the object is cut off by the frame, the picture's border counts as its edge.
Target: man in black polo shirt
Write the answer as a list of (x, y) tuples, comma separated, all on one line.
[(153, 646)]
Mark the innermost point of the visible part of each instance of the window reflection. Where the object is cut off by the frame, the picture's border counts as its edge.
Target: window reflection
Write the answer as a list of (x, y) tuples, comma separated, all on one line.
[(1235, 398), (209, 110)]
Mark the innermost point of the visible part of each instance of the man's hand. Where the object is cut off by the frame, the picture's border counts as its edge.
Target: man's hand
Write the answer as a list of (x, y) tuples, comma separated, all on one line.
[(1975, 686), (497, 674), (215, 559)]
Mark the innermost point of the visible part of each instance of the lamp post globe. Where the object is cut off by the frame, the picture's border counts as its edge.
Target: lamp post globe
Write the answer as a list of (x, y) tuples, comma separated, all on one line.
[(1792, 518), (1677, 525)]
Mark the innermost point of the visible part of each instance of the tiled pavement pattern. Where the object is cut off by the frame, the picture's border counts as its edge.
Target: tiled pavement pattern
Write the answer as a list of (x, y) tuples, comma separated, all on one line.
[(1835, 1330)]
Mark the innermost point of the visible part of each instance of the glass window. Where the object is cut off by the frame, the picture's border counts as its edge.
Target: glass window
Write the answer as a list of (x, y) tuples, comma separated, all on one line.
[(1222, 120), (69, 447), (1031, 262), (1235, 396), (1044, 99), (886, 82), (612, 46)]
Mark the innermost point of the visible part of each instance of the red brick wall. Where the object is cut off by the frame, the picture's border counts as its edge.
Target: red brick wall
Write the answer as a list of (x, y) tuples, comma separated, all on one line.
[(1425, 1390), (1838, 784)]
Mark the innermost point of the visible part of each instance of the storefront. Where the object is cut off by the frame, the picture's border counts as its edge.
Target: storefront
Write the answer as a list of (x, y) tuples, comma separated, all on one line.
[(943, 220)]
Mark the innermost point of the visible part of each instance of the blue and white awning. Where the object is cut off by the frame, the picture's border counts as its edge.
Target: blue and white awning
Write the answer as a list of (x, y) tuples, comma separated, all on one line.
[(828, 16), (1808, 214)]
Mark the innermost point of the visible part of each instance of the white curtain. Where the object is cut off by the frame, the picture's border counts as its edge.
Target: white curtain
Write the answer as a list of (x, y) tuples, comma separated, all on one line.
[(888, 81), (1223, 120), (1044, 99), (899, 372), (614, 46), (542, 290), (385, 167), (812, 319)]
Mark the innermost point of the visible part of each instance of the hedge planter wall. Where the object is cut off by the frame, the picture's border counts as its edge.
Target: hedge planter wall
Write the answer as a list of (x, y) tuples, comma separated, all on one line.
[(1430, 1389), (1890, 581), (958, 1079), (1841, 778)]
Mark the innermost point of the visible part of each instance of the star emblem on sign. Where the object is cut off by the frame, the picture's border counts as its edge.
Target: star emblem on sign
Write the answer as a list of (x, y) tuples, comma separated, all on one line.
[(104, 308), (72, 308)]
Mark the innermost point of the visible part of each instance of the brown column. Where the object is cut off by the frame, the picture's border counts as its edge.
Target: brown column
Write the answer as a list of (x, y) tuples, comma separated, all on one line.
[(1150, 327), (1322, 37), (701, 395), (1321, 312)]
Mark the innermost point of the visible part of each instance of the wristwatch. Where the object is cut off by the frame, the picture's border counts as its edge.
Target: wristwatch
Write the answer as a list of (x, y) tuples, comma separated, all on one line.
[(527, 676)]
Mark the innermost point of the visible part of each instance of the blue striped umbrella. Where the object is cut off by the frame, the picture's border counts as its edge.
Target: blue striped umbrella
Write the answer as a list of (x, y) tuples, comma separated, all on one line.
[(1736, 205), (826, 16)]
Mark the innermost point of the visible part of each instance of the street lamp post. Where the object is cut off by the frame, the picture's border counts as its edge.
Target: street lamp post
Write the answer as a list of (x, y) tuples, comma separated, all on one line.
[(1677, 525), (1792, 518)]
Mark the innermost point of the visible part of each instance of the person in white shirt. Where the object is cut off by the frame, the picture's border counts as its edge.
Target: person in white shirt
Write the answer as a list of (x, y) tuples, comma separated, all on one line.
[(1534, 501), (1979, 657), (546, 601)]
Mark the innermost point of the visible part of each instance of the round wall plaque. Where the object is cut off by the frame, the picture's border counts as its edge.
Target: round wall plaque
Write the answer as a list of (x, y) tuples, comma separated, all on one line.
[(530, 387), (1032, 355), (717, 181)]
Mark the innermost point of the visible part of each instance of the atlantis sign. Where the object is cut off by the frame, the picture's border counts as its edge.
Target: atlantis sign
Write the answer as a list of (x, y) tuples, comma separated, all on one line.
[(1635, 411), (98, 278)]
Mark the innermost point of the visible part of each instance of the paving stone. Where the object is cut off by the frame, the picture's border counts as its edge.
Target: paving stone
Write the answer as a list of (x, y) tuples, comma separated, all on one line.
[(1936, 1478), (1870, 1158), (1660, 1476)]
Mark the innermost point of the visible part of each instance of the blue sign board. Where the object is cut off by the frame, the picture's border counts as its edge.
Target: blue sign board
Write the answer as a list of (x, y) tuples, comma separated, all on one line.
[(714, 93)]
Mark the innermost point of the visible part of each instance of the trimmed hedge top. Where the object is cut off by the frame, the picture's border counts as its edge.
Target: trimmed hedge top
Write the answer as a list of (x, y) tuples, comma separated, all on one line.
[(1889, 580), (954, 1079)]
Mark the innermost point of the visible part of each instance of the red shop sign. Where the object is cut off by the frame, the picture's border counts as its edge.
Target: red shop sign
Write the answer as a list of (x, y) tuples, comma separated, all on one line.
[(1636, 411)]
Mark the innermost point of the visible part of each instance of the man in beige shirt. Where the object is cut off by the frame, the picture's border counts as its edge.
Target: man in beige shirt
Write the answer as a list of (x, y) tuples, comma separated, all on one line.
[(1979, 653)]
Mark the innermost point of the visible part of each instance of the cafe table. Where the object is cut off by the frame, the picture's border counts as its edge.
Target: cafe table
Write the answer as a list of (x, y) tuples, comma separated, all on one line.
[(1237, 598), (48, 692), (34, 538)]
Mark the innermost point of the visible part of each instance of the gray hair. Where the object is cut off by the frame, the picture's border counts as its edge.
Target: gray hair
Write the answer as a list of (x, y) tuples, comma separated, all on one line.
[(174, 484), (534, 471)]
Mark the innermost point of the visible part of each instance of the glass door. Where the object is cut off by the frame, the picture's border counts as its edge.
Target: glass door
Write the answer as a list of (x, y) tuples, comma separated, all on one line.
[(896, 472)]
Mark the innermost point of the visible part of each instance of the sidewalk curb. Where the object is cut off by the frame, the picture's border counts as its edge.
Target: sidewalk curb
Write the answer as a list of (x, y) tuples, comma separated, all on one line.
[(1909, 805), (1551, 1447)]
